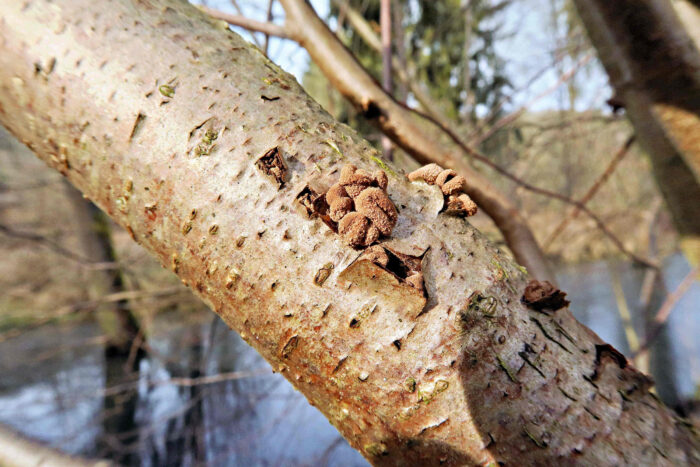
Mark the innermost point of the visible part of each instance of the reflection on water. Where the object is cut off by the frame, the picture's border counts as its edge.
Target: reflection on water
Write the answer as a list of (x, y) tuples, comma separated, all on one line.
[(64, 394), (56, 386)]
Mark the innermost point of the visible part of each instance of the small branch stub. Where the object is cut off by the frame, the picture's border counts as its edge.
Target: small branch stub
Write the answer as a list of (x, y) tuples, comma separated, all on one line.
[(544, 297)]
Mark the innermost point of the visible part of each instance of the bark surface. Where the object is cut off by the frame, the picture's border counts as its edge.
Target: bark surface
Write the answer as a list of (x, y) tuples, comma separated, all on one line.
[(160, 116), (398, 123)]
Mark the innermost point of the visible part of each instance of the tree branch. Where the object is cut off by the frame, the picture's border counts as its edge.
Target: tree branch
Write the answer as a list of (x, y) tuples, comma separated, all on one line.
[(665, 311), (653, 66), (267, 28), (174, 128), (19, 451)]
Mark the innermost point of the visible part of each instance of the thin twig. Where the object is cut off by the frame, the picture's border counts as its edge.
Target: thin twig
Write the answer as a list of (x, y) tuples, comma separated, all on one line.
[(666, 309), (269, 29), (268, 18), (221, 377), (56, 247), (90, 305), (240, 13), (511, 117), (493, 113), (621, 153), (541, 191)]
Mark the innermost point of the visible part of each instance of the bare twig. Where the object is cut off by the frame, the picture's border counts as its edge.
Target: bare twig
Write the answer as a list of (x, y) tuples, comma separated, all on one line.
[(665, 310), (511, 117), (270, 29), (212, 379), (90, 305), (240, 13), (545, 192), (493, 113), (56, 247), (621, 153), (268, 16)]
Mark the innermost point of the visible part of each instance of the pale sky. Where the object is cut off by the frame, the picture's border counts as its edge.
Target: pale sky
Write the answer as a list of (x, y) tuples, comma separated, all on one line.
[(287, 54), (527, 50)]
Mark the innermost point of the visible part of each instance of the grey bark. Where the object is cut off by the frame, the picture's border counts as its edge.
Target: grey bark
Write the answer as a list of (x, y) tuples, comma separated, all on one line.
[(161, 115)]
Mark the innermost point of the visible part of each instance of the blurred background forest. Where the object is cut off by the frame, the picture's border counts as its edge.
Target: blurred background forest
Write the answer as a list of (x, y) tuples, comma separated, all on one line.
[(105, 354)]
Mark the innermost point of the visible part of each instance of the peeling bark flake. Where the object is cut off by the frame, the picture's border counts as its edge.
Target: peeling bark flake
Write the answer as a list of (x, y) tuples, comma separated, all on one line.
[(389, 274), (272, 164), (305, 201)]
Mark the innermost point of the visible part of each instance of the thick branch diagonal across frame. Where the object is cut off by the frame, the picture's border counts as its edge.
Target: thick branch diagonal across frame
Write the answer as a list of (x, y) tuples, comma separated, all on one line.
[(161, 118)]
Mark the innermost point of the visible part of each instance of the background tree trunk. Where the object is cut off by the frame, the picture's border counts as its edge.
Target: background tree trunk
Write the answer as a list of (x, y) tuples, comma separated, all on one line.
[(116, 320), (161, 116), (653, 66)]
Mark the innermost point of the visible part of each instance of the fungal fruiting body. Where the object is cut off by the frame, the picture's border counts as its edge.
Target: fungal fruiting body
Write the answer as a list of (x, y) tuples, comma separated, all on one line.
[(361, 207), (457, 203)]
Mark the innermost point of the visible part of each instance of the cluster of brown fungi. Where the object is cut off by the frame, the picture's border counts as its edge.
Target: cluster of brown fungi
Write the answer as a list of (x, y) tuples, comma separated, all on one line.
[(457, 203), (360, 206)]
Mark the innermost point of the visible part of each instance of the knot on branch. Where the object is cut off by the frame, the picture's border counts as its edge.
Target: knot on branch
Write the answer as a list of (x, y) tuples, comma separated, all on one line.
[(457, 203), (360, 206)]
